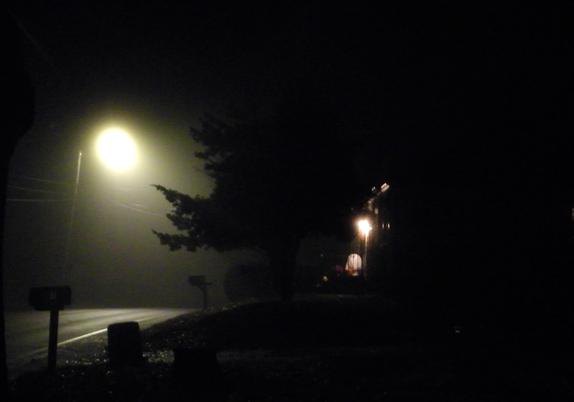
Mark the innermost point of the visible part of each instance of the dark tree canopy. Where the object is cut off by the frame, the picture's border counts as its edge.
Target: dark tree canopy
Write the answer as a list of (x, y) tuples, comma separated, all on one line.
[(277, 178), (467, 116)]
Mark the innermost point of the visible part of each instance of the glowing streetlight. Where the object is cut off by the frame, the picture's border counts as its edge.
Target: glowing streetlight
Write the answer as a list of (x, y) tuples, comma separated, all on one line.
[(116, 149), (365, 228)]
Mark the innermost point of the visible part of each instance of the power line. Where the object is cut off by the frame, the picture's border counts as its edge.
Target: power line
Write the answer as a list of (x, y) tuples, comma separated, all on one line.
[(35, 44), (126, 206), (33, 189), (128, 189), (40, 179), (37, 200)]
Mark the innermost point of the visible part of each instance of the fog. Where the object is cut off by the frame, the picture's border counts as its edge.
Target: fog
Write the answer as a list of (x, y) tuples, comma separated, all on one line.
[(115, 258)]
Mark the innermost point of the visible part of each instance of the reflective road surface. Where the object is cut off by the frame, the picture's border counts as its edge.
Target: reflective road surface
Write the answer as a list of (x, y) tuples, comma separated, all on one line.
[(27, 332)]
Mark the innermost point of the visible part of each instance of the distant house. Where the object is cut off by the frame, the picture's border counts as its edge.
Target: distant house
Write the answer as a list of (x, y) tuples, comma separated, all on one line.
[(354, 265)]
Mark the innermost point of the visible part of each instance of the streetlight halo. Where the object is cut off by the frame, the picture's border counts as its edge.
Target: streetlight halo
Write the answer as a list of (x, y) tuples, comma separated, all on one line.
[(364, 226), (116, 149)]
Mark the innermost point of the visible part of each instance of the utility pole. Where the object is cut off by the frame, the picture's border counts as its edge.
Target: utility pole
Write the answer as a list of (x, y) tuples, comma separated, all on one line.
[(67, 265), (365, 251)]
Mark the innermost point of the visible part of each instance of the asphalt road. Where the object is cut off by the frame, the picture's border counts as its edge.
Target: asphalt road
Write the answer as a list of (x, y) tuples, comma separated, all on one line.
[(27, 332)]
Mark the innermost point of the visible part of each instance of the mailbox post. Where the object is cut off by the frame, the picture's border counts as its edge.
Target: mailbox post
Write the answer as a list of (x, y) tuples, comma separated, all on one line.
[(53, 340), (52, 299), (199, 281)]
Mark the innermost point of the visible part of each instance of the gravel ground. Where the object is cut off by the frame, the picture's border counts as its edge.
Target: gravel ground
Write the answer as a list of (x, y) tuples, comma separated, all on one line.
[(314, 349)]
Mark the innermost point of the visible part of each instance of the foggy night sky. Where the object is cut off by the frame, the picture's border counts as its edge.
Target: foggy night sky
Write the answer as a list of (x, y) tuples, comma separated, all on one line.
[(154, 68), (91, 66)]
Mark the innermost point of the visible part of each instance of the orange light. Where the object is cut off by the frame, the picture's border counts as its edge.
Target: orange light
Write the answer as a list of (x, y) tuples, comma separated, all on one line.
[(364, 226)]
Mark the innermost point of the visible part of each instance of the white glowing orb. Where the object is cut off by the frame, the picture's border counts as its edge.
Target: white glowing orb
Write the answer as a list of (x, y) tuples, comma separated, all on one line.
[(116, 149)]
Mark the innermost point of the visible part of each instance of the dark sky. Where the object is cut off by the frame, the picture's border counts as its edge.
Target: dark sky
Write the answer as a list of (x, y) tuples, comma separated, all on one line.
[(421, 89)]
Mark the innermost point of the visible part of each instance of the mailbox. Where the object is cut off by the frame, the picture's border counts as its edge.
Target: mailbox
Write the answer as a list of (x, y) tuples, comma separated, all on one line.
[(50, 297), (200, 282)]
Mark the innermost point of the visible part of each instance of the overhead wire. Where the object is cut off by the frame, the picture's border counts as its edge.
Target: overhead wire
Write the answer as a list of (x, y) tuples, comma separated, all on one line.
[(38, 200), (36, 190), (131, 208), (35, 44), (38, 179), (33, 190)]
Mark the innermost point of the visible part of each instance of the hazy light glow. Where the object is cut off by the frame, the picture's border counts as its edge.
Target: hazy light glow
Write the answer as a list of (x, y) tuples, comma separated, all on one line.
[(116, 149), (364, 226)]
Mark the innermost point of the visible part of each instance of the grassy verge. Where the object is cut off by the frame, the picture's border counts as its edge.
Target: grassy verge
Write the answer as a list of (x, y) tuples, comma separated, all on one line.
[(314, 349)]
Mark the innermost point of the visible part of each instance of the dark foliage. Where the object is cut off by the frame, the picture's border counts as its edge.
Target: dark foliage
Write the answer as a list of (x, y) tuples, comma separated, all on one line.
[(244, 282), (277, 179)]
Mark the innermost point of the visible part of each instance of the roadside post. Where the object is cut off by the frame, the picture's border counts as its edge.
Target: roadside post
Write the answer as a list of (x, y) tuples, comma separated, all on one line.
[(125, 345), (52, 299), (200, 282)]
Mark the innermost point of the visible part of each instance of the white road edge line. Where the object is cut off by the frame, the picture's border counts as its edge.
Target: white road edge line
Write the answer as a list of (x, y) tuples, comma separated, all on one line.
[(95, 333)]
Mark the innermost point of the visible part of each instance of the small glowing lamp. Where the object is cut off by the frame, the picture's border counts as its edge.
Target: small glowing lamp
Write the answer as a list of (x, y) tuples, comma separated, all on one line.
[(364, 226)]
